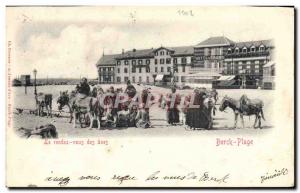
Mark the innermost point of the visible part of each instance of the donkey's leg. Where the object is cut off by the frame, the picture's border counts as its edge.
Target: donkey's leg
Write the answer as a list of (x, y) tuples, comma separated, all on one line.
[(74, 120), (259, 121), (254, 126), (98, 122), (242, 120), (91, 120), (235, 120)]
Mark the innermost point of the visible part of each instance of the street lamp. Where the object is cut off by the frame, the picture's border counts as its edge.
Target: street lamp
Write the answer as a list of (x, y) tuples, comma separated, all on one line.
[(34, 73)]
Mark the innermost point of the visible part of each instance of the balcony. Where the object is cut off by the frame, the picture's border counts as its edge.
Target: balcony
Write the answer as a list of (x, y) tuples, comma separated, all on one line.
[(247, 54), (107, 73)]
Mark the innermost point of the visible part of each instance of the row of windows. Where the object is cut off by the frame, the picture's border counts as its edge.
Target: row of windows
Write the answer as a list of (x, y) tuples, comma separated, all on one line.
[(134, 70), (162, 53), (241, 67), (248, 62), (106, 69), (126, 78), (245, 49), (156, 61), (133, 62)]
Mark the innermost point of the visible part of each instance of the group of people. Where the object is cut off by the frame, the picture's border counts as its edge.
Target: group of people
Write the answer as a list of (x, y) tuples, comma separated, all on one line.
[(122, 113), (126, 114), (194, 110)]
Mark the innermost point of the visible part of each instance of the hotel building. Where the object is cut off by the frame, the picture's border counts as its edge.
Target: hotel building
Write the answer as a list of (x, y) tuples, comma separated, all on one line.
[(203, 63)]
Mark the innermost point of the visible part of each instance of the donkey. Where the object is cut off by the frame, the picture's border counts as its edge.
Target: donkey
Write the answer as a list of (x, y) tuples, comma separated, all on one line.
[(43, 101), (81, 105), (240, 107)]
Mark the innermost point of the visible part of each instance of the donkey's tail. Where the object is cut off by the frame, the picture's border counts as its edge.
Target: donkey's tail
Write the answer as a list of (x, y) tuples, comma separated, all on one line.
[(262, 114)]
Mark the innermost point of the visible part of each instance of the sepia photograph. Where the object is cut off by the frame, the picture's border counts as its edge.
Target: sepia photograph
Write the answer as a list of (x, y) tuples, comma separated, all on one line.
[(112, 96)]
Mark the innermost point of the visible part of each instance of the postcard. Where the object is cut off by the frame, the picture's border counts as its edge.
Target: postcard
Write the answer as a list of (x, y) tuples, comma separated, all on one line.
[(127, 96)]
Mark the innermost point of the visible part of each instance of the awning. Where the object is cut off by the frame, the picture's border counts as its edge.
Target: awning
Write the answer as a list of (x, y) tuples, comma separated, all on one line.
[(159, 77), (271, 63), (224, 78)]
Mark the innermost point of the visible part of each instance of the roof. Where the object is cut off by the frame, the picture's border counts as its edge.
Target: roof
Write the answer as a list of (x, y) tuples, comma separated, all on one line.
[(182, 50), (268, 43), (215, 41), (107, 60), (137, 53)]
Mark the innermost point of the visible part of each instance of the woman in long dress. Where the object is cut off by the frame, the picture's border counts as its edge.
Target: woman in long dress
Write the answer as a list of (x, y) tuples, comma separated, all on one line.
[(195, 117)]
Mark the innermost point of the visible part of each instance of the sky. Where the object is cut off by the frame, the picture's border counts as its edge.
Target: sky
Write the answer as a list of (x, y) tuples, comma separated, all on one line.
[(66, 42)]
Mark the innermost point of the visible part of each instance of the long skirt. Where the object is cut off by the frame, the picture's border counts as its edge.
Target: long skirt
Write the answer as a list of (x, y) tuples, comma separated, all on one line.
[(197, 118), (173, 116)]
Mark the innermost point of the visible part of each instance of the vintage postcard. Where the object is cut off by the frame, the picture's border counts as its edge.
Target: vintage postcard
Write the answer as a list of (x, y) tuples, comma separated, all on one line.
[(108, 96)]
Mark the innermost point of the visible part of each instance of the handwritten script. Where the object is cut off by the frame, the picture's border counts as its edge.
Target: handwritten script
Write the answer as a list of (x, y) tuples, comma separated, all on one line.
[(154, 176)]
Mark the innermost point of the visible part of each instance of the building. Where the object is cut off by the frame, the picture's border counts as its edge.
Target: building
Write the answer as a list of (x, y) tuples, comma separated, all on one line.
[(211, 58), (246, 59), (25, 80), (269, 75), (106, 68)]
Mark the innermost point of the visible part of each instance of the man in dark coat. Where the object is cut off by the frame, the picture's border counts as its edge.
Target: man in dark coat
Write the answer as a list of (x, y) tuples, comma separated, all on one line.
[(130, 89), (84, 87), (173, 100)]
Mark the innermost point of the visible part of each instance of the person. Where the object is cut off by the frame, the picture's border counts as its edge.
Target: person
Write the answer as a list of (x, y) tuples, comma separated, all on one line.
[(215, 94), (195, 117), (84, 87), (130, 89), (173, 100)]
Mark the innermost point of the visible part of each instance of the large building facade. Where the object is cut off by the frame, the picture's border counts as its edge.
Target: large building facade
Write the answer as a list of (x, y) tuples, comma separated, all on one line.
[(215, 55)]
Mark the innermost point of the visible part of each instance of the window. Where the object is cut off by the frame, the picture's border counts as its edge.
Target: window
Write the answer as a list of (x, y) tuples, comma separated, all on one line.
[(248, 66), (147, 69), (183, 68), (252, 49), (237, 50), (133, 69), (244, 50), (256, 71), (140, 61), (126, 62), (162, 53), (125, 70), (256, 66), (155, 61), (140, 79), (162, 69), (183, 60), (175, 60), (148, 61), (156, 53), (133, 79), (133, 62), (240, 67), (118, 70), (229, 51), (168, 61), (125, 79), (169, 69), (155, 69), (162, 61), (140, 70), (118, 62), (118, 79), (261, 48)]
